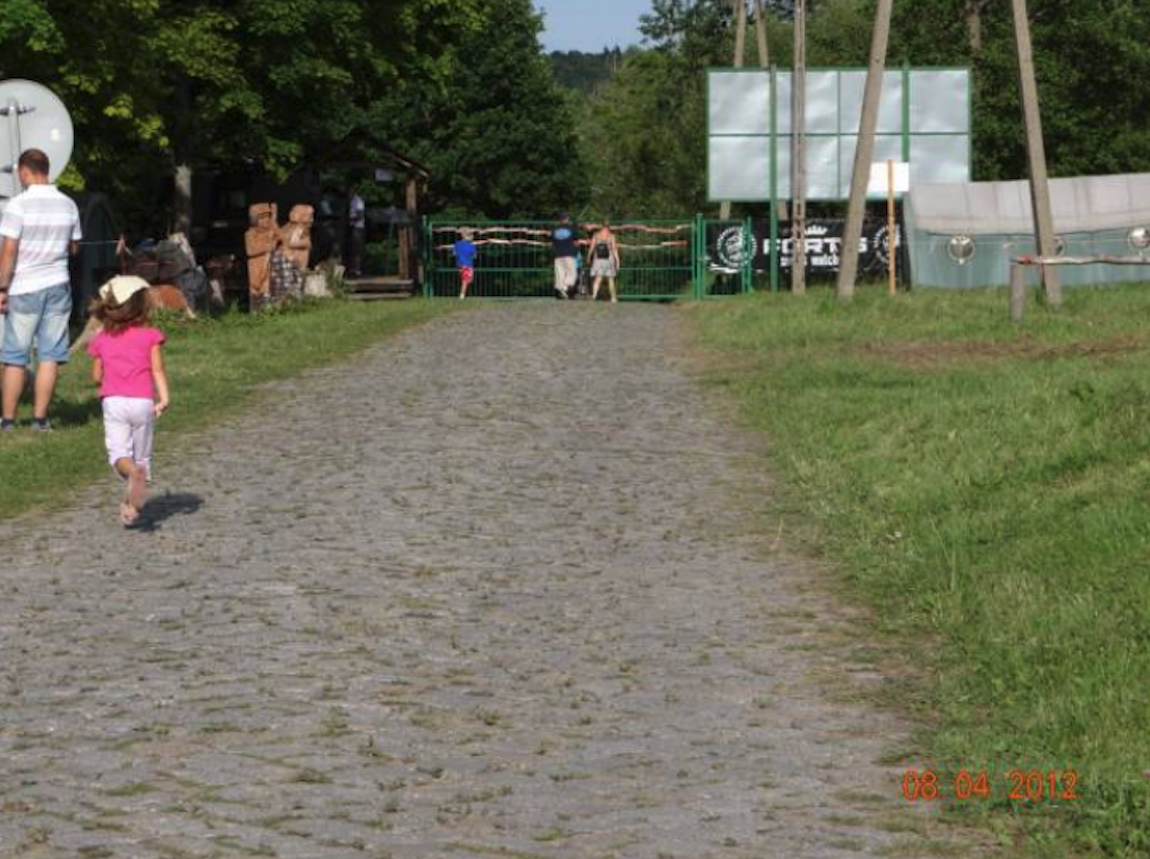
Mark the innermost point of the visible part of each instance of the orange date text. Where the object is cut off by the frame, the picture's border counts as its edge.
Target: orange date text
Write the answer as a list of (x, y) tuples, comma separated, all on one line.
[(965, 785)]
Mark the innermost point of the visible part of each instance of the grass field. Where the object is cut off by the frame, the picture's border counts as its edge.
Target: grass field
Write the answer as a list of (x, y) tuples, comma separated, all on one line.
[(214, 367), (985, 489)]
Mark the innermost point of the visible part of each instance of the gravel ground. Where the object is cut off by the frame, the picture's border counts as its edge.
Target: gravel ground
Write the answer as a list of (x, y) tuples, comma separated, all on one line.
[(496, 589)]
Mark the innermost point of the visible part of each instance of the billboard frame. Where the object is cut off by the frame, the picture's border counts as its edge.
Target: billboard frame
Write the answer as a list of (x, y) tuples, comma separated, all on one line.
[(773, 136)]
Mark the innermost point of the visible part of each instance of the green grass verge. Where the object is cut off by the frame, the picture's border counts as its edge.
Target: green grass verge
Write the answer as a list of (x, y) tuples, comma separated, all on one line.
[(985, 488), (214, 366)]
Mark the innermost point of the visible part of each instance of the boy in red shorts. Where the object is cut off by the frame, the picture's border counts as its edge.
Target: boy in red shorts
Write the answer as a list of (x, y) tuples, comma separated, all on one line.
[(465, 251)]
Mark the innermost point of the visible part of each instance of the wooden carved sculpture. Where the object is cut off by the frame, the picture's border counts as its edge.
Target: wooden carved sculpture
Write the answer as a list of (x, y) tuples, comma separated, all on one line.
[(261, 239), (296, 234)]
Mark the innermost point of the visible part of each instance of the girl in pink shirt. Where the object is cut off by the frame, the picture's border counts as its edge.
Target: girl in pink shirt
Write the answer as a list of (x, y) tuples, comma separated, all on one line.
[(128, 365)]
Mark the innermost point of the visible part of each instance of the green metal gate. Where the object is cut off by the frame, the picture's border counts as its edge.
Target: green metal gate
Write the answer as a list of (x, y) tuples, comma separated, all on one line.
[(660, 260)]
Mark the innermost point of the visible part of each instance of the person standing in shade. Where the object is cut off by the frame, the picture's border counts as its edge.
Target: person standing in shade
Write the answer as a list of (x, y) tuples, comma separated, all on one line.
[(603, 258), (565, 246), (356, 232), (40, 229)]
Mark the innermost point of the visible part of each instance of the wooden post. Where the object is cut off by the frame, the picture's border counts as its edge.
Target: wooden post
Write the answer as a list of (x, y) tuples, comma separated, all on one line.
[(740, 33), (1036, 152), (778, 207), (761, 34), (1017, 291), (740, 54), (848, 270), (799, 155), (891, 227), (408, 235)]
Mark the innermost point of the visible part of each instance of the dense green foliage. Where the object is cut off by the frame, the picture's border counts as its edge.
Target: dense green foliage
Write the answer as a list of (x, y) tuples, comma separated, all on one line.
[(498, 134), (985, 487), (585, 72), (645, 130), (216, 366), (507, 130), (275, 84), (1090, 56)]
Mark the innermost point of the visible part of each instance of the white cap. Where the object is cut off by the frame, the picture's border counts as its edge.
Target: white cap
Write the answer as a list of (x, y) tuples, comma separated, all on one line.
[(122, 288)]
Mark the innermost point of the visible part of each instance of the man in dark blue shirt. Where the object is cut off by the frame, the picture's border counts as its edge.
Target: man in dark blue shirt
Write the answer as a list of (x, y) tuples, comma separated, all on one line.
[(565, 245)]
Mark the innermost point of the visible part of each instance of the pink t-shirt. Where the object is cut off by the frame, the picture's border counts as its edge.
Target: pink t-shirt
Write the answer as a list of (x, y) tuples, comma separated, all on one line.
[(127, 358)]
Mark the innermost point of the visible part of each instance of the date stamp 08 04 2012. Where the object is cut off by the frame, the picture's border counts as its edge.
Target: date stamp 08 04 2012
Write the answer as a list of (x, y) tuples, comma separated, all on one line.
[(1024, 786)]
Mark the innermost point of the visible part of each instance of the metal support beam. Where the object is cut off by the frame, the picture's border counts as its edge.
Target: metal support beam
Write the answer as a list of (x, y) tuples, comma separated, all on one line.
[(799, 156), (864, 155), (1036, 152), (740, 56)]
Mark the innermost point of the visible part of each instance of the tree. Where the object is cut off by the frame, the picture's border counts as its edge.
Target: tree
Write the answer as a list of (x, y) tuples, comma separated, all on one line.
[(1090, 56), (584, 72), (266, 83), (645, 132), (501, 139)]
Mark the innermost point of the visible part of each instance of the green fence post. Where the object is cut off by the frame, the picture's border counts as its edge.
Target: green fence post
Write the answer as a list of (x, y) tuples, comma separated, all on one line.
[(906, 111), (700, 257), (428, 257), (695, 257), (774, 239), (748, 256)]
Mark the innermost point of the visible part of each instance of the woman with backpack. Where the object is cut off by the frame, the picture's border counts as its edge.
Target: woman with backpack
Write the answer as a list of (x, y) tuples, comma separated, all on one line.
[(603, 258)]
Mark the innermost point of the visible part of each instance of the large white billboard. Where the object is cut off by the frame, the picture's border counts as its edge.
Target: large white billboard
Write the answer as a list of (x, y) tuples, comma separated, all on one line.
[(924, 118)]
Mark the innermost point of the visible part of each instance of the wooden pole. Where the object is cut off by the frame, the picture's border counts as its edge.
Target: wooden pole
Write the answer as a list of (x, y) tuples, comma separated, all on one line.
[(409, 243), (799, 155), (848, 270), (778, 207), (761, 34), (1036, 151), (1017, 292), (740, 55), (740, 33), (891, 227)]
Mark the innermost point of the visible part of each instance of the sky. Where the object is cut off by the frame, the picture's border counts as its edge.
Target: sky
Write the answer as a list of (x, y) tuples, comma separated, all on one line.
[(591, 25)]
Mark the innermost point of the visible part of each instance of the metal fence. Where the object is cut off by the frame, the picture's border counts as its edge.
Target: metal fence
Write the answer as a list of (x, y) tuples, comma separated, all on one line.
[(660, 260)]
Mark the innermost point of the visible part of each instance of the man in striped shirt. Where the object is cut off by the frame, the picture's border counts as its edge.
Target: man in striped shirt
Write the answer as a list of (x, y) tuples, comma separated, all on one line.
[(40, 228)]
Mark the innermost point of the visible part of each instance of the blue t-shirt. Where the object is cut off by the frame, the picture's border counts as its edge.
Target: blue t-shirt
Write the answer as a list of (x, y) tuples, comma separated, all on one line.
[(465, 253)]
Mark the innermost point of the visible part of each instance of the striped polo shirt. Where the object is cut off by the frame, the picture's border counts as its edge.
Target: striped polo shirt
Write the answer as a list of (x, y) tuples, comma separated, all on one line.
[(45, 222)]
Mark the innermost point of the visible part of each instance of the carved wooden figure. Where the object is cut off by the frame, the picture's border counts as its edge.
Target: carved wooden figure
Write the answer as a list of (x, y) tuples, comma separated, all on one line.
[(296, 234), (259, 241)]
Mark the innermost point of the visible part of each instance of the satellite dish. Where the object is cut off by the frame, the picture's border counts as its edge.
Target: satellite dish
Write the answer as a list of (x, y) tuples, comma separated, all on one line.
[(961, 249), (31, 117)]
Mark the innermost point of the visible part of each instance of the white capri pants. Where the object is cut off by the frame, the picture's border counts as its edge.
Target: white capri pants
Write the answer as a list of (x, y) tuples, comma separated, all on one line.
[(129, 426)]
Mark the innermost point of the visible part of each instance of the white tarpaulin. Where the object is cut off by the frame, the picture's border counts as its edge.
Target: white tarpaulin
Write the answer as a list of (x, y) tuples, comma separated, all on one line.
[(1083, 204), (1093, 215)]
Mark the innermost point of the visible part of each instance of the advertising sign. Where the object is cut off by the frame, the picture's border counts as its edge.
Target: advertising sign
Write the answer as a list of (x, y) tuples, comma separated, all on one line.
[(924, 119), (824, 239)]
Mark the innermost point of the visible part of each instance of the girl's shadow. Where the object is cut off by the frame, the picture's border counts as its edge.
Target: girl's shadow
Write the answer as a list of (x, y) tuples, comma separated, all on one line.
[(160, 508)]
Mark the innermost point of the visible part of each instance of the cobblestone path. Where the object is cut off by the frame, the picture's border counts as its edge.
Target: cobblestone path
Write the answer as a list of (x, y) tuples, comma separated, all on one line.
[(491, 591)]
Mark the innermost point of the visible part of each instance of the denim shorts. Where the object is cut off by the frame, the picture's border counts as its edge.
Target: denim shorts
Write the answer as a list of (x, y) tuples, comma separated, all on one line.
[(39, 318)]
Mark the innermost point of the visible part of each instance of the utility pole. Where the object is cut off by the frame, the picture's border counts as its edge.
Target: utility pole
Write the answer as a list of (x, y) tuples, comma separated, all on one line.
[(1036, 152), (761, 33), (799, 156), (740, 54), (864, 155)]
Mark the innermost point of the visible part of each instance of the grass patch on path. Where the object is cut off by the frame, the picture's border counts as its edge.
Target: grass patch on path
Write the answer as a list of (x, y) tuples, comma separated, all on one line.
[(985, 488), (214, 366)]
